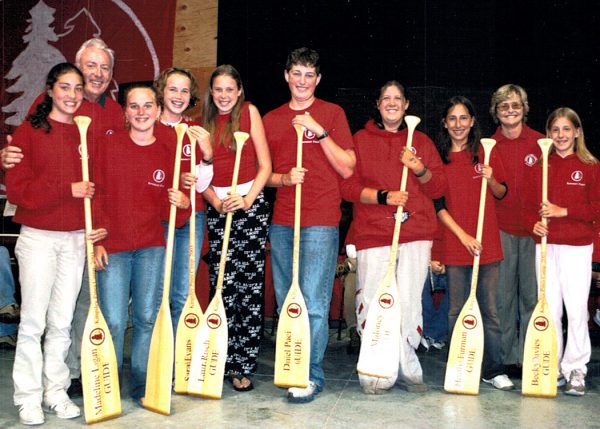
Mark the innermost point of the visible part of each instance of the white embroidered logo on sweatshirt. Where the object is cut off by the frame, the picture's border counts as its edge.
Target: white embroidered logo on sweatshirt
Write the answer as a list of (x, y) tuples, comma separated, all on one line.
[(577, 176), (158, 176), (530, 160)]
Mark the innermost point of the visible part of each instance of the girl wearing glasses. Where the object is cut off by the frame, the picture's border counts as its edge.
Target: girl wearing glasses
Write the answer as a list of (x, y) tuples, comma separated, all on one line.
[(518, 150)]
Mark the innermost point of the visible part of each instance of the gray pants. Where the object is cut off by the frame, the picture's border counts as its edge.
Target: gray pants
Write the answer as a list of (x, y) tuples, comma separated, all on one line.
[(517, 294)]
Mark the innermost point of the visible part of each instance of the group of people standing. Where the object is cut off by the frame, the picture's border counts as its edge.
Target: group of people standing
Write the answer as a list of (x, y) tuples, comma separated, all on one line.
[(132, 163)]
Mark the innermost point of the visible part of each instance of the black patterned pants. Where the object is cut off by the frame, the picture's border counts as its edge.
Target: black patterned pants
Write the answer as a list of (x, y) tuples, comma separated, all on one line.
[(244, 279)]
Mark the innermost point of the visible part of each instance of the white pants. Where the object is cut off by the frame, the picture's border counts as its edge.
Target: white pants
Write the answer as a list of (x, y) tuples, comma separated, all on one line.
[(411, 271), (568, 278), (50, 267)]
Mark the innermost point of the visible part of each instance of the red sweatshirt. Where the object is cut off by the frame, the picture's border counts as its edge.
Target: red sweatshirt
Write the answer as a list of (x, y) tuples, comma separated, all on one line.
[(571, 184), (131, 193), (166, 134), (321, 190), (107, 118), (40, 185), (378, 166), (462, 202), (518, 156)]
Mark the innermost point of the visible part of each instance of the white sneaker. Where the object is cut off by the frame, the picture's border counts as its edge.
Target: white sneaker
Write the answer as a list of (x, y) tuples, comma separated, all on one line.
[(31, 414), (64, 410), (303, 394), (425, 343), (597, 317), (500, 382), (576, 384)]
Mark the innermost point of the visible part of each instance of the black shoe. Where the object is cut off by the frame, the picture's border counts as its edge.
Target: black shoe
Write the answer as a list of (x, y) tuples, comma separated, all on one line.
[(354, 345), (514, 371), (75, 389)]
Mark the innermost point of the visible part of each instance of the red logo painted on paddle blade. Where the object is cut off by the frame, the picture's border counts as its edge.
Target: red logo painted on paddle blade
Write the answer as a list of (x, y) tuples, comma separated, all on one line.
[(386, 300), (469, 321), (97, 336), (541, 323), (191, 320), (213, 321), (294, 310)]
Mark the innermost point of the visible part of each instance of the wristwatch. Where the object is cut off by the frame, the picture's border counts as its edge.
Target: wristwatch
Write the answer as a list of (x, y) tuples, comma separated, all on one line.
[(324, 135)]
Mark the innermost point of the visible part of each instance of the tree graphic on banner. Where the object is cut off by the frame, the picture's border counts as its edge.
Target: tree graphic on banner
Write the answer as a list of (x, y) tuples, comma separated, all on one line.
[(31, 66)]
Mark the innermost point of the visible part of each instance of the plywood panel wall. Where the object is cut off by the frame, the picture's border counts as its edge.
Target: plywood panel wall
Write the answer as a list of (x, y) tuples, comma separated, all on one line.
[(195, 41)]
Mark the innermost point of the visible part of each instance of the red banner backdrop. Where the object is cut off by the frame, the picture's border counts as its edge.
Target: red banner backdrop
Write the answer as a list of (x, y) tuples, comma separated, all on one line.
[(38, 34)]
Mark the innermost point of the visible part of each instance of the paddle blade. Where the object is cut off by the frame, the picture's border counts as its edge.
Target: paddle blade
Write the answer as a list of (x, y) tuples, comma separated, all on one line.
[(540, 358), (380, 343), (99, 371), (159, 375), (465, 355), (292, 352), (187, 329), (207, 368)]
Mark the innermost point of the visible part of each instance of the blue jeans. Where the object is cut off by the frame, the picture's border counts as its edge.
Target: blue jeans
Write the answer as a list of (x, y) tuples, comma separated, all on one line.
[(7, 291), (180, 272), (318, 257), (435, 320), (459, 285), (137, 274)]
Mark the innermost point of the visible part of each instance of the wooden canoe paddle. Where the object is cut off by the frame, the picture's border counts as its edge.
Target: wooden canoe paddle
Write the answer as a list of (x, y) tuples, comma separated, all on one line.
[(540, 356), (191, 314), (380, 344), (159, 376), (292, 350), (465, 354), (210, 350), (99, 371)]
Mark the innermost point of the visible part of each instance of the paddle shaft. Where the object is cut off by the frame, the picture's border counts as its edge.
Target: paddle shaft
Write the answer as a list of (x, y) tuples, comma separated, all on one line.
[(297, 209), (192, 252), (544, 240), (87, 207), (229, 218), (545, 144), (488, 144), (412, 122), (180, 129)]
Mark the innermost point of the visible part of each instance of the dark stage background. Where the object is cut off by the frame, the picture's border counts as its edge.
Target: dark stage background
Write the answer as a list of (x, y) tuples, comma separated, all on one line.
[(436, 48)]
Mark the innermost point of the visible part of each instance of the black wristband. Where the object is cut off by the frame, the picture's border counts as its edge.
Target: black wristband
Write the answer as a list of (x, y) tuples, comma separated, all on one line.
[(382, 197), (422, 172), (324, 135)]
